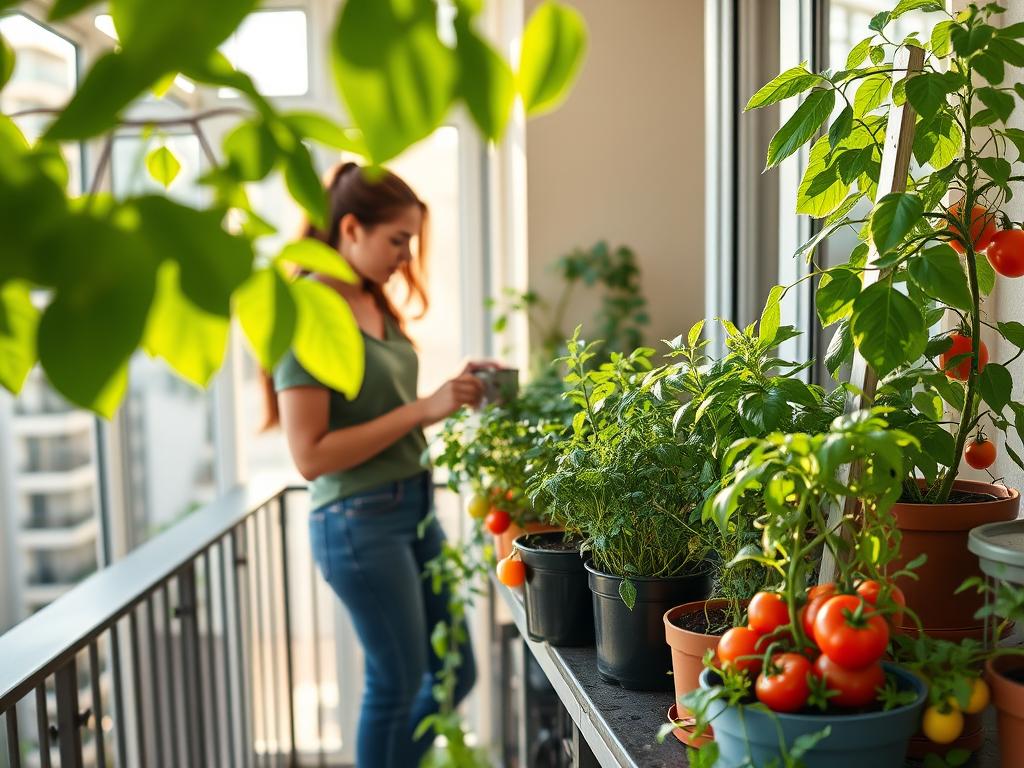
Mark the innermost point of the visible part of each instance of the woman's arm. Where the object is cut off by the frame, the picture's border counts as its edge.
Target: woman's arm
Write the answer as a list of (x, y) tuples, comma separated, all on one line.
[(317, 450)]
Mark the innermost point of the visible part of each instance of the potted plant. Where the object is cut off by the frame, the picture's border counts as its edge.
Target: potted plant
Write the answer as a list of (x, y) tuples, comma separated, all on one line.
[(804, 678), (620, 482), (749, 392), (940, 246)]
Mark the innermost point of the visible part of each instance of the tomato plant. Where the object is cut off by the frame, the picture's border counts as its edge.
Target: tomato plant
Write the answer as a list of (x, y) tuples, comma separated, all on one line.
[(980, 453), (893, 599), (767, 612), (497, 521), (816, 597), (1006, 253), (850, 632), (783, 686)]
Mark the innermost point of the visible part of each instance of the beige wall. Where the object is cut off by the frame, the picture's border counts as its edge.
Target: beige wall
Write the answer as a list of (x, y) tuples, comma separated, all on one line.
[(623, 158)]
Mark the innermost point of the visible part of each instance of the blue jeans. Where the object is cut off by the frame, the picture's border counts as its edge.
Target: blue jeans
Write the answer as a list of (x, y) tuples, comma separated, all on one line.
[(368, 550)]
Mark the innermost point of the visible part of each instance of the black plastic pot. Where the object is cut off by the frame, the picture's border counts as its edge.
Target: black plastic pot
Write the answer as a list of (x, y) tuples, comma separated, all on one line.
[(557, 597), (631, 648), (876, 739)]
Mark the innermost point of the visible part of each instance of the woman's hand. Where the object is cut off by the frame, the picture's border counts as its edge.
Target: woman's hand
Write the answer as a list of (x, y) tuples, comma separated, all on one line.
[(464, 389)]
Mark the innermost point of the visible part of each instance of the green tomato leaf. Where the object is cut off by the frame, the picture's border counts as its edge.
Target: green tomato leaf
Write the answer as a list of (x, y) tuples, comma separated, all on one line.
[(801, 126), (893, 217), (18, 322), (858, 53), (990, 67), (986, 276), (938, 272), (1013, 332), (970, 40), (838, 289), (999, 102), (940, 41), (938, 141), (879, 20), (251, 150), (163, 166), (266, 311), (397, 92), (811, 199), (887, 328), (1008, 50), (328, 342), (996, 386), (840, 348), (190, 340), (486, 82), (1016, 137), (771, 316), (841, 126), (789, 83), (314, 256), (553, 47), (871, 94), (927, 91)]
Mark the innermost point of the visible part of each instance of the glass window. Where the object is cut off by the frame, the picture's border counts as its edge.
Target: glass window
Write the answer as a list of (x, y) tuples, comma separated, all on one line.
[(128, 166), (271, 46)]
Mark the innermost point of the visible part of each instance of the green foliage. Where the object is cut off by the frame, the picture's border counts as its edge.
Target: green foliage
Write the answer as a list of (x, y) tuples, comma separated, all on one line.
[(619, 320), (959, 143), (86, 284)]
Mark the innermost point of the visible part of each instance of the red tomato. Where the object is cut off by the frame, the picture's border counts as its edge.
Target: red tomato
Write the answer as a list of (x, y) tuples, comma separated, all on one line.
[(870, 589), (785, 688), (1006, 253), (962, 368), (980, 453), (816, 597), (737, 642), (511, 573), (497, 521), (854, 687), (983, 227), (850, 641), (767, 612)]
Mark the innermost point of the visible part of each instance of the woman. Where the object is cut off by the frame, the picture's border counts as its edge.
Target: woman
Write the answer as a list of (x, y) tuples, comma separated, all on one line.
[(362, 457)]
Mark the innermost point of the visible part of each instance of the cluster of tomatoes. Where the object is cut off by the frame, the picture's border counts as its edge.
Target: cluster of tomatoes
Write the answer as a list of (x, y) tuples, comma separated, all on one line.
[(1003, 247), (847, 636), (481, 507)]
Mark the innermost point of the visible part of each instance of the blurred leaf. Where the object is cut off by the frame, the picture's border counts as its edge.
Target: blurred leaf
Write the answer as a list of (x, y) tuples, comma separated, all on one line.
[(486, 82), (251, 150), (990, 67), (801, 126), (63, 8), (789, 83), (940, 39), (213, 262), (163, 166), (18, 322), (970, 40), (6, 61), (305, 186), (314, 256), (98, 313), (324, 131), (191, 341), (328, 342), (267, 313), (887, 328), (553, 47), (395, 76)]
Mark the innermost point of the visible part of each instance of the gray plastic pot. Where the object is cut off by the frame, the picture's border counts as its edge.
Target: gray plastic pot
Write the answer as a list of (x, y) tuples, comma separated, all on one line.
[(872, 740)]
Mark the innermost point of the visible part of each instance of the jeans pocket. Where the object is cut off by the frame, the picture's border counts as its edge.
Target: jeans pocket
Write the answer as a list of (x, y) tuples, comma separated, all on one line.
[(372, 503)]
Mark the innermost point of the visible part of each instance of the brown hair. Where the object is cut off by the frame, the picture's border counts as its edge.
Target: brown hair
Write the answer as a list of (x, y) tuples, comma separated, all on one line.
[(373, 197)]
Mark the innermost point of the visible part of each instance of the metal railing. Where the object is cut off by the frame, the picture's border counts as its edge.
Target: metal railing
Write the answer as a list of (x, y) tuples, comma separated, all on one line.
[(180, 654)]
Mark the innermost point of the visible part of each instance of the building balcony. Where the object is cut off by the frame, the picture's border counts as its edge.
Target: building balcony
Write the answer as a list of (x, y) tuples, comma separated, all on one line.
[(76, 535), (79, 478)]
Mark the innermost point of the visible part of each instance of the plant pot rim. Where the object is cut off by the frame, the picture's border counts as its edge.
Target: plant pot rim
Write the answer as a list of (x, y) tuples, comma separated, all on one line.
[(518, 544), (650, 579), (672, 631), (917, 516), (857, 719)]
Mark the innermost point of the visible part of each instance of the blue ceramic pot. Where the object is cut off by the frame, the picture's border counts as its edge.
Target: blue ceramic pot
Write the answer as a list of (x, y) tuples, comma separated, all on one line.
[(872, 740)]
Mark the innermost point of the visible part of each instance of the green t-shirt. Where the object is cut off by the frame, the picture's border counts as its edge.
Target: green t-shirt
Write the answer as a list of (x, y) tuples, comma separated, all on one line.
[(392, 368)]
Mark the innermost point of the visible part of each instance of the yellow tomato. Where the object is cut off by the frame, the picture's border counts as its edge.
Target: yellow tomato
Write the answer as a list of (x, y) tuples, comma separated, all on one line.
[(477, 507), (979, 697), (942, 727)]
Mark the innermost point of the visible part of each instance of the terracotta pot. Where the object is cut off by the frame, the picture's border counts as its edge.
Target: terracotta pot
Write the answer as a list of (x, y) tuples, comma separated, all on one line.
[(940, 531), (1008, 697), (503, 541), (688, 648)]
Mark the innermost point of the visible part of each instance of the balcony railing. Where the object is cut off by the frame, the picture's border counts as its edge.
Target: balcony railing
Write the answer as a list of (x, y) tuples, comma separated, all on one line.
[(198, 649)]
